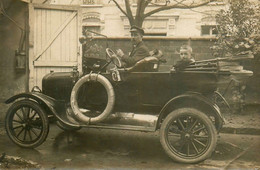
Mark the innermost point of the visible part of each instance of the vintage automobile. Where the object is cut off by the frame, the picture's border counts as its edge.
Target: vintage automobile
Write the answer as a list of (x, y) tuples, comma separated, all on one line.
[(140, 98)]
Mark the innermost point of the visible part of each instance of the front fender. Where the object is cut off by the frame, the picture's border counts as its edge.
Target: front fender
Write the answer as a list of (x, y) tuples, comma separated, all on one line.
[(49, 104), (39, 97), (194, 100)]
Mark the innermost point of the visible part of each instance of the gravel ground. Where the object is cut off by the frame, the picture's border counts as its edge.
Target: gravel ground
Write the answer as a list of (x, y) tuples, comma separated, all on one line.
[(11, 162), (249, 118)]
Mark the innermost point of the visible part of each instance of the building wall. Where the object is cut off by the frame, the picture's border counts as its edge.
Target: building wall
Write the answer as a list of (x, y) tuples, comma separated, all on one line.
[(111, 23), (11, 81), (174, 22)]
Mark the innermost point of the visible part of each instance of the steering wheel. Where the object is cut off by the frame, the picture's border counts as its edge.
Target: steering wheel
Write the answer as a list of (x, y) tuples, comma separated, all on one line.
[(112, 55)]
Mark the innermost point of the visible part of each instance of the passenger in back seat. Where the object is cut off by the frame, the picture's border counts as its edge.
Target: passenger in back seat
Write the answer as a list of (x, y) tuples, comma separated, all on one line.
[(185, 58)]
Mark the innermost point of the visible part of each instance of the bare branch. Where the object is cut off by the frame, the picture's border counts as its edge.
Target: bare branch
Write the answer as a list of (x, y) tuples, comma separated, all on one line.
[(146, 3), (129, 11), (138, 9), (182, 6), (119, 7), (141, 5)]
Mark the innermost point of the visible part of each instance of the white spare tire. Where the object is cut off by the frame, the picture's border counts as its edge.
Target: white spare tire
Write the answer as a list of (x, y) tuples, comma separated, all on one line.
[(110, 101)]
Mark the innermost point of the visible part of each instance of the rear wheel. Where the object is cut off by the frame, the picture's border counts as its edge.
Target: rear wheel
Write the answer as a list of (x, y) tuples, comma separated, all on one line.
[(27, 124), (188, 135)]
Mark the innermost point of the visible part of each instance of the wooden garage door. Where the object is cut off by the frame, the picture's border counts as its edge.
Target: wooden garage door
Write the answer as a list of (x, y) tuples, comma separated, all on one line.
[(53, 40)]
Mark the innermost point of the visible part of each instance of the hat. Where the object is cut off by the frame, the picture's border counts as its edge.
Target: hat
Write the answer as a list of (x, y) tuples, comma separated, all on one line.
[(135, 28)]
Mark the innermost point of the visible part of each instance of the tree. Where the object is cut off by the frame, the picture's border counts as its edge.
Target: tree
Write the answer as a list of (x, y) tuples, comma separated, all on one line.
[(239, 34), (238, 29), (141, 13)]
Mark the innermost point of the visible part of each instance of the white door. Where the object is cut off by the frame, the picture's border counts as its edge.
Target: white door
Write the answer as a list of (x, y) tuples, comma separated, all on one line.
[(53, 40)]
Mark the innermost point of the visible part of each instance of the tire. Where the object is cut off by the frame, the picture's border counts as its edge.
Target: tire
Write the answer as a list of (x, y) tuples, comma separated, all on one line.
[(188, 135), (110, 103), (27, 124), (65, 127)]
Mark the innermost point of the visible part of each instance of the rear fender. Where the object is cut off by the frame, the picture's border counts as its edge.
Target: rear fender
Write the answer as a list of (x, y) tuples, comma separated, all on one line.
[(192, 100), (49, 104)]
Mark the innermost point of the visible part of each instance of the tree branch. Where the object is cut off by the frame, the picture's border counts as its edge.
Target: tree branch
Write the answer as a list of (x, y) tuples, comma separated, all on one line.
[(138, 9), (129, 12), (141, 6), (119, 7), (183, 6), (145, 4)]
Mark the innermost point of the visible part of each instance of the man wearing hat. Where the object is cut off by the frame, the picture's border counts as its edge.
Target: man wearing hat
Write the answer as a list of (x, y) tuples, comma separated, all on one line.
[(139, 50)]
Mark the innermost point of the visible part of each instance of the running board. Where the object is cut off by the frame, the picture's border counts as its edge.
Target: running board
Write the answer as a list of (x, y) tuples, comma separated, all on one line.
[(121, 127), (118, 120), (127, 121)]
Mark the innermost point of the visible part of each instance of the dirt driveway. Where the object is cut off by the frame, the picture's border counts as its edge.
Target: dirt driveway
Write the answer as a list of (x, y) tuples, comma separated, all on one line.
[(102, 149)]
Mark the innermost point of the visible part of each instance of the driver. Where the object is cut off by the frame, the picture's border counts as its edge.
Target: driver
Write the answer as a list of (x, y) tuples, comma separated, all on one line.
[(139, 50)]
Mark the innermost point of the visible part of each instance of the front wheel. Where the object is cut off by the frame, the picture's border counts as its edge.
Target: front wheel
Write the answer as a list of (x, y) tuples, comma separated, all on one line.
[(188, 135), (26, 124)]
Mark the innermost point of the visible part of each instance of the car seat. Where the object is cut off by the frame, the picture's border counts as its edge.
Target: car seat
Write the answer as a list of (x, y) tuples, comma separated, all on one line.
[(148, 64)]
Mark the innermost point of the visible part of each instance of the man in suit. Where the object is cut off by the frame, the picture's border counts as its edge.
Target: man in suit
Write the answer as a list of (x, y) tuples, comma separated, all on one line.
[(139, 50)]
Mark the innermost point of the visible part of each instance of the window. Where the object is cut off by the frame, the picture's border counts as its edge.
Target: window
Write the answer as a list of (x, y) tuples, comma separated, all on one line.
[(156, 26), (209, 30), (159, 25), (91, 28), (91, 22)]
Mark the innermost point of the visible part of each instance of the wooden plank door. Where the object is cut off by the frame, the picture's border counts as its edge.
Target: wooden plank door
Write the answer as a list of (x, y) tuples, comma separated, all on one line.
[(53, 40)]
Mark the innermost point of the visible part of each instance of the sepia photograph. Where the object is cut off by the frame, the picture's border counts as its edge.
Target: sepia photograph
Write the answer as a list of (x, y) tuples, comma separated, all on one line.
[(130, 84)]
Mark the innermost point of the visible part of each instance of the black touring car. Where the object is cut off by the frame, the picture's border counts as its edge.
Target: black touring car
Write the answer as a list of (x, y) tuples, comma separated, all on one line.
[(140, 98)]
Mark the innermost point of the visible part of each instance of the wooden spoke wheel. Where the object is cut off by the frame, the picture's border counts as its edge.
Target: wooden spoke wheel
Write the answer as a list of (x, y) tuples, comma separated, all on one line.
[(26, 124), (188, 135)]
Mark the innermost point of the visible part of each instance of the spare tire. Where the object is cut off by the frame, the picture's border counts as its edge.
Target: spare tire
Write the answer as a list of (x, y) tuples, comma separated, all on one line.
[(110, 98)]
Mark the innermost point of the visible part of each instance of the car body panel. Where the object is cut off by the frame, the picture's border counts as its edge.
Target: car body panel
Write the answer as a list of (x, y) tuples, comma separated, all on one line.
[(58, 85), (140, 90)]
